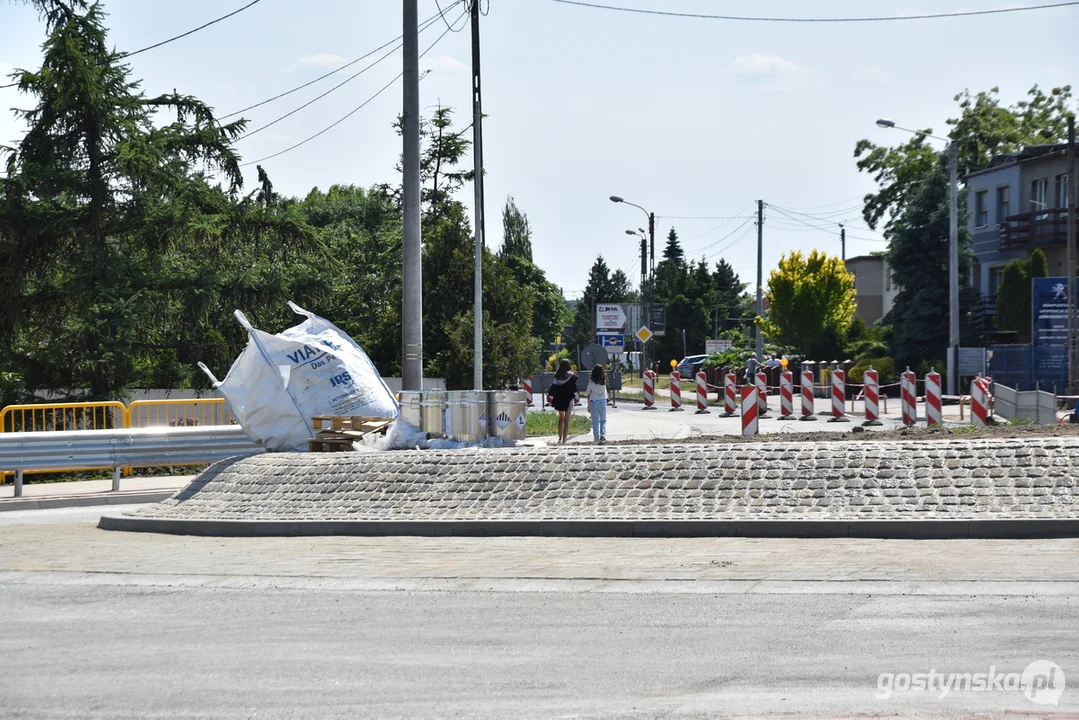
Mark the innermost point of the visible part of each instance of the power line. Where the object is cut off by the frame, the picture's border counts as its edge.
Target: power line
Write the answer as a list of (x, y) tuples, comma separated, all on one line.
[(315, 99), (191, 32), (442, 14), (746, 18), (423, 26), (824, 229), (350, 113)]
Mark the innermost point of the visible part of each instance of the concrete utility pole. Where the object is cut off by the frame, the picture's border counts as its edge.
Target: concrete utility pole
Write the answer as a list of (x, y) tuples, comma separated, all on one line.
[(477, 156), (842, 243), (411, 249), (1071, 219), (953, 268), (760, 276)]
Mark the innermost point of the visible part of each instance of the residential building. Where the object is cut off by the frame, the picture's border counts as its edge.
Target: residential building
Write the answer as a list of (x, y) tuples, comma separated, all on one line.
[(1017, 204), (874, 290)]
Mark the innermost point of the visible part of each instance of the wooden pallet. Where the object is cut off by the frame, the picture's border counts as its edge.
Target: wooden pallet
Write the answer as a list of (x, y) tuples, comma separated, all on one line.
[(343, 431)]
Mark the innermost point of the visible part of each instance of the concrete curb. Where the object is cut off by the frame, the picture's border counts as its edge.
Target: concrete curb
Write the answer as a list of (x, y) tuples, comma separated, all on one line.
[(110, 498), (880, 529)]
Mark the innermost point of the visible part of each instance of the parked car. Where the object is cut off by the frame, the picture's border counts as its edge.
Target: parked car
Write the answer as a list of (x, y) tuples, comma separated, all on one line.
[(690, 365)]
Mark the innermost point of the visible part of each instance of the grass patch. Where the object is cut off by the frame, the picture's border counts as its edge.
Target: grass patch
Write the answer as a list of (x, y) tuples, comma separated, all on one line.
[(1020, 421), (546, 423)]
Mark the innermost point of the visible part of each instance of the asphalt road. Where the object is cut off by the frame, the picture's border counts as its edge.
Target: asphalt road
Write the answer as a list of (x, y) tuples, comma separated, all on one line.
[(103, 624)]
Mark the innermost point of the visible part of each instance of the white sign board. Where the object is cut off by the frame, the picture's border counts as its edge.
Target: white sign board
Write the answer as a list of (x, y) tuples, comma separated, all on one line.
[(715, 346), (610, 317)]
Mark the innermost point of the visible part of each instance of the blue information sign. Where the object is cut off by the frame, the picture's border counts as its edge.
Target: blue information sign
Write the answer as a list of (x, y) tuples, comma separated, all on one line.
[(1049, 306), (614, 342)]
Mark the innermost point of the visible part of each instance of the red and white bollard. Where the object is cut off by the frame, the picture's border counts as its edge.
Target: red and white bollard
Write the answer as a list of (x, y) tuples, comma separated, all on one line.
[(839, 395), (762, 394), (908, 389), (702, 393), (528, 391), (786, 395), (979, 402), (676, 392), (808, 402), (749, 410), (872, 397), (649, 390), (730, 396), (933, 415)]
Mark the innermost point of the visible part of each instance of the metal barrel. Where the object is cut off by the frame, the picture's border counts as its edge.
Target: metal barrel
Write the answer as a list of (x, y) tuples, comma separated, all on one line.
[(433, 412), (412, 408), (506, 414), (467, 414)]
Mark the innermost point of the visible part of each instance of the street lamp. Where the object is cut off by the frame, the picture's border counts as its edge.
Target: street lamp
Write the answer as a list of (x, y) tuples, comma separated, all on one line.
[(953, 250), (645, 306)]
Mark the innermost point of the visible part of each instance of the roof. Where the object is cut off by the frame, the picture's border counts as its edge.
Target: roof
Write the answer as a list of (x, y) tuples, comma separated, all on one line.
[(1030, 152), (864, 258)]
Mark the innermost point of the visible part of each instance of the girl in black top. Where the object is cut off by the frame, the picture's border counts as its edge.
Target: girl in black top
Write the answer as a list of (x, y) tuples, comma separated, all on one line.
[(562, 394)]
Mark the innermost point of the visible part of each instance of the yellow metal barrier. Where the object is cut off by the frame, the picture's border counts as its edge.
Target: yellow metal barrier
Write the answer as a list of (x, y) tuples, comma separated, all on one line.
[(178, 413), (112, 414), (47, 417)]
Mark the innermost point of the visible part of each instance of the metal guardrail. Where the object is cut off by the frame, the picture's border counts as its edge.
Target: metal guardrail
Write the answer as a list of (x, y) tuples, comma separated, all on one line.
[(38, 452)]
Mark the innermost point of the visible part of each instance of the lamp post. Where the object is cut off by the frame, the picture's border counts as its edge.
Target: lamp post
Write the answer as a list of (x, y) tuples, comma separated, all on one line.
[(953, 250), (644, 273), (645, 306)]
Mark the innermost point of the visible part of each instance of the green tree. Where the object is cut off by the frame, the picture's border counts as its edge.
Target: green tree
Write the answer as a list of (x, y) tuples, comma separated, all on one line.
[(810, 303), (918, 257), (1014, 294), (984, 128), (119, 256), (1013, 299), (732, 300), (516, 232), (673, 250)]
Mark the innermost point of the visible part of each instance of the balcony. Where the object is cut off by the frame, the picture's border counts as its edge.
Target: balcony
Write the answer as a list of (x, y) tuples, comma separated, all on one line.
[(1041, 227)]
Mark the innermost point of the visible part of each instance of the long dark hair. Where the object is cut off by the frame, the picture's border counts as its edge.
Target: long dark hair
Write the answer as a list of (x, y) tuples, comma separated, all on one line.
[(563, 370), (599, 375)]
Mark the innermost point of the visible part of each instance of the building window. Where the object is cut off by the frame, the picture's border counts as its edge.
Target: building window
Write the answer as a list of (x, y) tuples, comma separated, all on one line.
[(1004, 201), (981, 208), (1039, 196), (995, 275), (1062, 193)]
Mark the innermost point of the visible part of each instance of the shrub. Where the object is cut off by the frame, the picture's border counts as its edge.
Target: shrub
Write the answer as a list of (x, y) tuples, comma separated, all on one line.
[(884, 366)]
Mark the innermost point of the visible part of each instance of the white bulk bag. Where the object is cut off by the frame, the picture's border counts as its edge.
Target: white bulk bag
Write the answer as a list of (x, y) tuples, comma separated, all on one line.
[(280, 381)]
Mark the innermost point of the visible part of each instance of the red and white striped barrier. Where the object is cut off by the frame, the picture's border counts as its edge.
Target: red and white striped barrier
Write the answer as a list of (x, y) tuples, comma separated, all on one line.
[(676, 392), (839, 395), (749, 410), (907, 388), (979, 402), (762, 394), (808, 403), (702, 394), (872, 397), (933, 414), (730, 397), (786, 394), (649, 390), (528, 391)]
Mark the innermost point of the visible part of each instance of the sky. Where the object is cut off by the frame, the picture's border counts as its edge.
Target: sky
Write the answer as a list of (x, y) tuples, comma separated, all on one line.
[(693, 119)]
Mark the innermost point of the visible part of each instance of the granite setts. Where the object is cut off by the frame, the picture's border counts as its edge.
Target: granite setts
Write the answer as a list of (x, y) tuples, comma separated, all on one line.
[(942, 479)]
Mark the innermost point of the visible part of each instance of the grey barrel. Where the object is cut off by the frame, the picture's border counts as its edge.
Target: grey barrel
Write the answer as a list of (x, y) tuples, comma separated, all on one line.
[(433, 412), (467, 415), (412, 408), (506, 414)]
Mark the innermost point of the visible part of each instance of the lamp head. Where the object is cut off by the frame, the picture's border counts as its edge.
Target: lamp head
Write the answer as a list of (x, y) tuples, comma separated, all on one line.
[(616, 199), (885, 123), (630, 232)]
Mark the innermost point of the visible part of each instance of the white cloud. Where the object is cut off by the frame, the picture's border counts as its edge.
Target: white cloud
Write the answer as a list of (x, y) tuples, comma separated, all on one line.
[(446, 65), (756, 65), (320, 60)]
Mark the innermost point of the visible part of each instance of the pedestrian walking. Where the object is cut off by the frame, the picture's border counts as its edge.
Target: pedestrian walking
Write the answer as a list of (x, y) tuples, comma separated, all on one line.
[(751, 368), (597, 403), (561, 396)]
